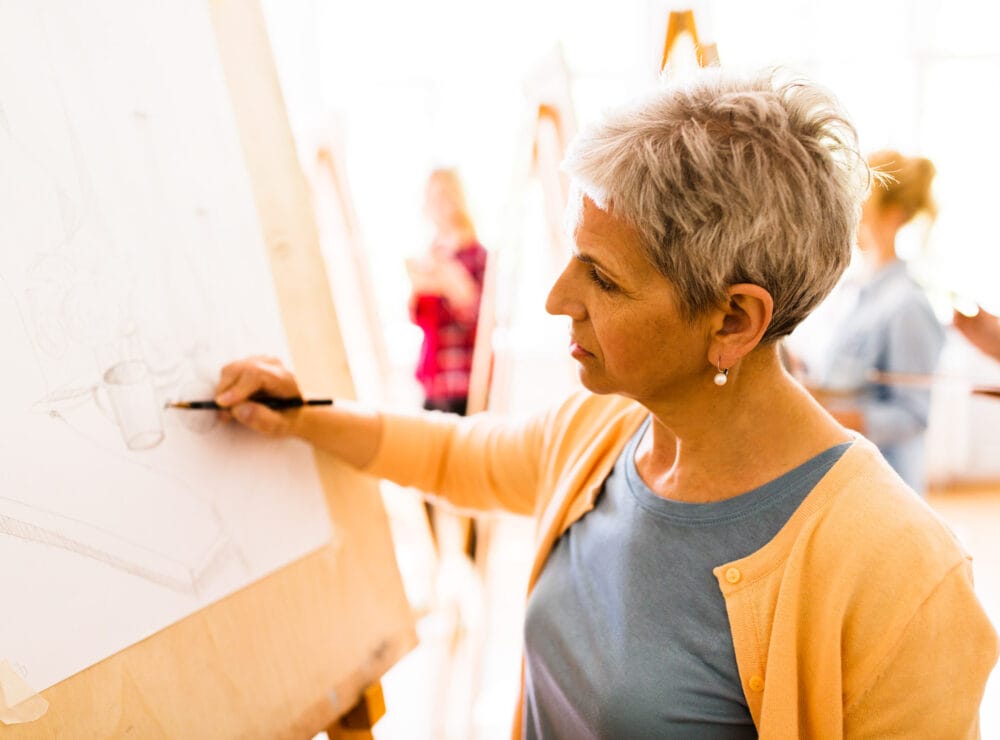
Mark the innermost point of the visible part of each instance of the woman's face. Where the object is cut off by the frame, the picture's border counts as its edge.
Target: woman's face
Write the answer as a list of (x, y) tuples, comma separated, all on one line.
[(439, 203), (628, 334)]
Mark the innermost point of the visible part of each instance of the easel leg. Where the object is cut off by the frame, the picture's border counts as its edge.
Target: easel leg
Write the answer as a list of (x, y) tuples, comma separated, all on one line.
[(357, 724), (446, 525)]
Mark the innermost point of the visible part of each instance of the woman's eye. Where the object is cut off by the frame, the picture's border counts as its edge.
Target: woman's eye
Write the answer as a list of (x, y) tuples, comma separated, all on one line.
[(600, 282)]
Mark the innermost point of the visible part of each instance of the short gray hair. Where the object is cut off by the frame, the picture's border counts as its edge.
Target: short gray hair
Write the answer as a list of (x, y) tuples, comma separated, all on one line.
[(733, 179)]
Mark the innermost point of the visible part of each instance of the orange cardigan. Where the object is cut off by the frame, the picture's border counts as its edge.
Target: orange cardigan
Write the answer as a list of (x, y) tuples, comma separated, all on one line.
[(858, 619)]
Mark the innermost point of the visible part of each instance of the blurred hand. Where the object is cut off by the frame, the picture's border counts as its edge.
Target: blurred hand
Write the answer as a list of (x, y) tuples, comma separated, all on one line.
[(423, 275), (265, 376), (982, 330)]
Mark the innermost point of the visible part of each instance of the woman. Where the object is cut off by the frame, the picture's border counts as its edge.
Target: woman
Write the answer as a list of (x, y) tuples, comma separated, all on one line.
[(447, 290), (888, 327), (717, 557), (447, 287)]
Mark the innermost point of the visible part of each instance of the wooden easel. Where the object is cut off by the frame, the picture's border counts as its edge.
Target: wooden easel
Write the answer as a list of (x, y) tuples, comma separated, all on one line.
[(357, 724), (550, 125), (340, 237), (681, 22), (293, 653)]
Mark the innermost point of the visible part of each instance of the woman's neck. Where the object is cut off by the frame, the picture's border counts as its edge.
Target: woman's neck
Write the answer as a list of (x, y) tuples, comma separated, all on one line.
[(752, 430), (879, 247), (881, 253)]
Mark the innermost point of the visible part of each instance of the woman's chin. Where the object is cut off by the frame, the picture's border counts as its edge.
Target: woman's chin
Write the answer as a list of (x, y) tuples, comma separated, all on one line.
[(593, 382)]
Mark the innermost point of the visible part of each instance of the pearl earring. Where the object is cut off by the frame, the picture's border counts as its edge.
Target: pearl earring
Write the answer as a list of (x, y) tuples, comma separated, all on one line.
[(721, 377)]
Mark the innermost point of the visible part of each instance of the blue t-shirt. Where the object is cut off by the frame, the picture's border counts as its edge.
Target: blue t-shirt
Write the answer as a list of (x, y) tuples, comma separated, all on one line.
[(626, 631)]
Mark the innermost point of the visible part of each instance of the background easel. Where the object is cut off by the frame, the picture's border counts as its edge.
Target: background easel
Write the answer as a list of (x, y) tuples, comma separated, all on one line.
[(679, 23), (548, 127), (545, 134), (349, 269), (291, 654)]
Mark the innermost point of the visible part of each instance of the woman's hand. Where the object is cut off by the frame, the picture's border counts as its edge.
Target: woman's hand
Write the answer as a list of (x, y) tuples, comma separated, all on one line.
[(258, 376), (347, 430), (448, 278), (423, 277), (982, 330)]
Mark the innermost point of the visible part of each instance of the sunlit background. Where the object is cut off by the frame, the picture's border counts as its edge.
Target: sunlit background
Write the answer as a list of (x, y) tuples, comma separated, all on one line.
[(396, 88), (403, 87), (412, 85)]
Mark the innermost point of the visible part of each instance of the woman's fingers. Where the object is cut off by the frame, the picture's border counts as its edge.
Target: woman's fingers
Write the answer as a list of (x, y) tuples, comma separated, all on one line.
[(240, 380), (228, 377), (262, 419)]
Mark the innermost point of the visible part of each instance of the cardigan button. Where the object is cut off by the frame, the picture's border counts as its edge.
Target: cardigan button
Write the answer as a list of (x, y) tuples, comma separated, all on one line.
[(756, 683), (733, 575)]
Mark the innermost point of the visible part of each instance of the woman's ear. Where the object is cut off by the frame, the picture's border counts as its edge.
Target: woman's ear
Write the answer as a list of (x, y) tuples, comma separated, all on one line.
[(741, 324)]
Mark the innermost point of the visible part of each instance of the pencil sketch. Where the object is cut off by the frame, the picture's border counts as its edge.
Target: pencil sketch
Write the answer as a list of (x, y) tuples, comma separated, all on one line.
[(82, 293), (120, 210), (189, 569), (38, 525)]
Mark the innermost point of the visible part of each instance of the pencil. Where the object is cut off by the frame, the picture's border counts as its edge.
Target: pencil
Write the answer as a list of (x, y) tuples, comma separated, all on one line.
[(921, 380), (277, 404)]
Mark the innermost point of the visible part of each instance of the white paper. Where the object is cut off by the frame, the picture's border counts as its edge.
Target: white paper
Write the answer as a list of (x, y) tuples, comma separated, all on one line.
[(131, 268)]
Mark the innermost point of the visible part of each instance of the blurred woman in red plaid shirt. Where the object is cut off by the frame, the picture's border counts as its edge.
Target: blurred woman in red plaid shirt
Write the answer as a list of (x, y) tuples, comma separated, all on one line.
[(447, 287)]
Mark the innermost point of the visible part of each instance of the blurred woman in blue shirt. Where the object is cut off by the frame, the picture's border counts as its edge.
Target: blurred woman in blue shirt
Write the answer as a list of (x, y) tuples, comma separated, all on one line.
[(888, 327)]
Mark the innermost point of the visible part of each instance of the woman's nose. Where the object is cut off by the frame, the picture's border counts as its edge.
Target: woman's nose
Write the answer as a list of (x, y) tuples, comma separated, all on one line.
[(560, 302)]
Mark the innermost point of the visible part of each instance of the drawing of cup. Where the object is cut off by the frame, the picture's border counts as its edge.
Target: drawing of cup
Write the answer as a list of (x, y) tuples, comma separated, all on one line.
[(133, 399)]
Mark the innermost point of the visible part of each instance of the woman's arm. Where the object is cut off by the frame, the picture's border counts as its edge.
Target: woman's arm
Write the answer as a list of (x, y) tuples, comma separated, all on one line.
[(448, 278), (458, 287), (346, 429), (931, 678), (478, 463)]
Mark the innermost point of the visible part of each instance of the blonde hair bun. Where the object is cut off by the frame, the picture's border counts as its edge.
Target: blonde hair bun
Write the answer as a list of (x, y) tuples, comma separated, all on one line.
[(903, 182)]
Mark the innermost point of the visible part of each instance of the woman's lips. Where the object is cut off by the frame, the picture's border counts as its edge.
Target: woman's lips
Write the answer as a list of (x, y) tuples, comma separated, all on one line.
[(577, 351)]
